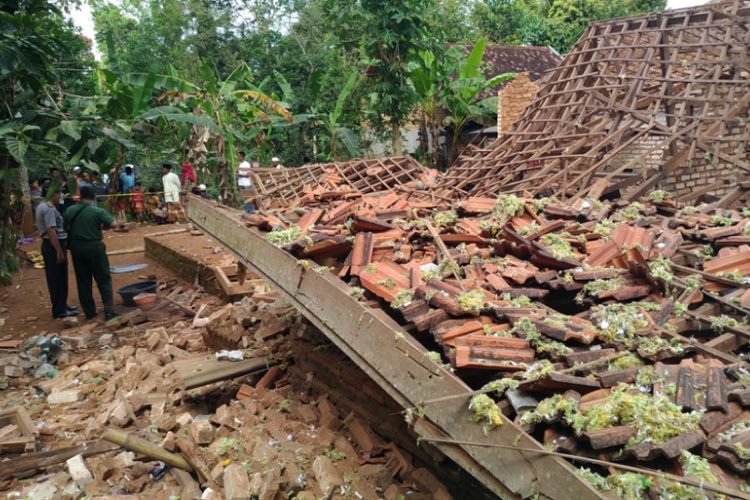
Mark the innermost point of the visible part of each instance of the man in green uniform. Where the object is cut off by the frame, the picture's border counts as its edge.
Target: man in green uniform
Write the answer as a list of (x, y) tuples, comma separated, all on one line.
[(84, 223)]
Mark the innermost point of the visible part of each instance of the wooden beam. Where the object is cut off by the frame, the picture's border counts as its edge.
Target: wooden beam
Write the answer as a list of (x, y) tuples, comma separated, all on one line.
[(44, 459)]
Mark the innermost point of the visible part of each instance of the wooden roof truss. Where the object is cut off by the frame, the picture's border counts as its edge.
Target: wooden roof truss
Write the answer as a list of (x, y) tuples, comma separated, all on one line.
[(284, 187), (681, 77)]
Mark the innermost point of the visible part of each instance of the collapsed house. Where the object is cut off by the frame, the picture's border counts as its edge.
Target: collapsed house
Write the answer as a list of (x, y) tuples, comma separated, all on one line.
[(540, 343), (560, 288), (655, 101)]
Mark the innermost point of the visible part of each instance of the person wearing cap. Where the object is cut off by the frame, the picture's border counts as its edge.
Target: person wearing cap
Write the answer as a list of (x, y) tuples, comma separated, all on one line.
[(172, 187), (84, 223), (276, 163), (54, 252), (202, 191)]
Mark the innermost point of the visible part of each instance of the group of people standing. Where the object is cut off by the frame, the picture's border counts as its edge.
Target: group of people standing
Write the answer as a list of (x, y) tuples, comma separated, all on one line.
[(68, 219), (78, 229)]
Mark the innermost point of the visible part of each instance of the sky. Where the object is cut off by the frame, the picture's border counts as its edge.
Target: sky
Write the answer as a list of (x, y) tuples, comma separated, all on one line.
[(82, 17)]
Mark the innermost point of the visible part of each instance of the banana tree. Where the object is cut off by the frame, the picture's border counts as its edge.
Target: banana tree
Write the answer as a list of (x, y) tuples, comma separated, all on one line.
[(316, 118), (226, 113), (461, 100), (429, 78), (30, 38), (98, 129), (331, 122)]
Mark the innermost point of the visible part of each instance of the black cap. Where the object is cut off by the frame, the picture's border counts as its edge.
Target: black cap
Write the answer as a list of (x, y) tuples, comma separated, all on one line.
[(88, 193)]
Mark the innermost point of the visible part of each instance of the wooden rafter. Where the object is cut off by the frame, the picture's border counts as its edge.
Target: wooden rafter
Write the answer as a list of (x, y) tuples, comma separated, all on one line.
[(676, 82)]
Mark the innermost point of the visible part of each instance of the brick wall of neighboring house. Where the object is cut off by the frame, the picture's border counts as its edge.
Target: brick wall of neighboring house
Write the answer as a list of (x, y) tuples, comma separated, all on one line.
[(692, 175), (513, 99), (703, 169), (645, 152), (699, 173)]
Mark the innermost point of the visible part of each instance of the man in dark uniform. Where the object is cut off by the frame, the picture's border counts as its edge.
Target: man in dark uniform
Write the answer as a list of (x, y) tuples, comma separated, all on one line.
[(84, 223), (50, 225)]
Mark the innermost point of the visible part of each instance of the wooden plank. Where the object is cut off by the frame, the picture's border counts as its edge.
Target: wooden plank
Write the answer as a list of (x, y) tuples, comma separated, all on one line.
[(126, 251), (204, 370), (44, 459), (232, 289), (23, 440)]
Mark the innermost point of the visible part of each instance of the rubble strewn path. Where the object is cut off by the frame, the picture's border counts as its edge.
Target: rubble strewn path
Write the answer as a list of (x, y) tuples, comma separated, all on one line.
[(216, 394)]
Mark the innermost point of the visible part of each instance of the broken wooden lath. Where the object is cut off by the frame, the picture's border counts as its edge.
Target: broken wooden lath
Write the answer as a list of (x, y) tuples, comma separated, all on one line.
[(284, 187), (638, 102)]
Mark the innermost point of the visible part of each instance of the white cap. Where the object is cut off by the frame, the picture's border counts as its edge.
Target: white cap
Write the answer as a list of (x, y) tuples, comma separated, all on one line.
[(201, 187), (274, 159), (76, 169)]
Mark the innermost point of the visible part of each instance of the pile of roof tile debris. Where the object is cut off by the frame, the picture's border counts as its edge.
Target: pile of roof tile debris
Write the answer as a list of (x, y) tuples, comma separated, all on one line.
[(605, 329), (178, 421)]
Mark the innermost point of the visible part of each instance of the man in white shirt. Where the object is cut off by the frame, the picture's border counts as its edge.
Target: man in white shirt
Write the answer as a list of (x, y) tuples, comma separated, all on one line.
[(172, 187), (244, 180), (276, 163), (245, 183)]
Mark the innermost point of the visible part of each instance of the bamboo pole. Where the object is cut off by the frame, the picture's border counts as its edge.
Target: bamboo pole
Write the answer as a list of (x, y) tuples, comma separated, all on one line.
[(140, 445), (126, 251), (165, 233)]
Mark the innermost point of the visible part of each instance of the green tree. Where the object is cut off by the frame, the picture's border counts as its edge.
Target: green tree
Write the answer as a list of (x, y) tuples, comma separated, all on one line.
[(462, 96), (393, 33), (558, 23), (335, 130), (451, 22), (430, 76), (503, 21), (32, 51), (450, 85), (226, 112), (150, 35)]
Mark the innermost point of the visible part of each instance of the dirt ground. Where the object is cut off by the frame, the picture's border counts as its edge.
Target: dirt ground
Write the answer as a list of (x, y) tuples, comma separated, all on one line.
[(25, 305)]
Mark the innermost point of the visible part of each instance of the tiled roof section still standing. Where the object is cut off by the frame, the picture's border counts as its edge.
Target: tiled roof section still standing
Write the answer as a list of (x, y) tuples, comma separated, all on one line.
[(535, 61)]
